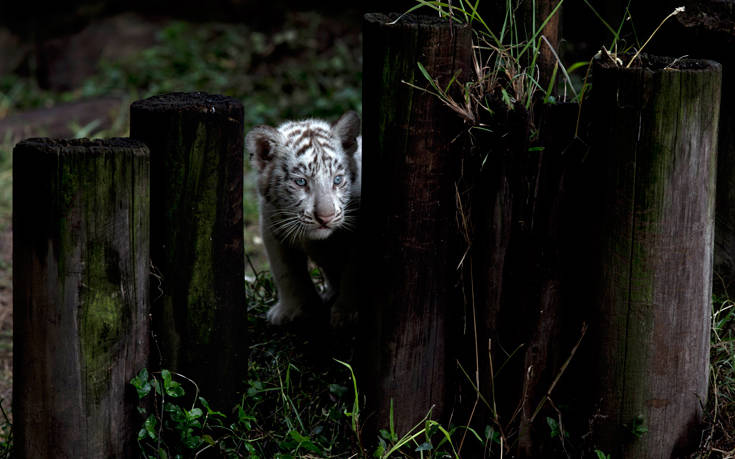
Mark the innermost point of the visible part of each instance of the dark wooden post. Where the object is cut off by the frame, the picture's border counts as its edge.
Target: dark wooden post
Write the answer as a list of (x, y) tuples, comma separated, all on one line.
[(655, 128), (702, 30), (80, 295), (535, 14), (196, 143), (408, 219), (544, 256)]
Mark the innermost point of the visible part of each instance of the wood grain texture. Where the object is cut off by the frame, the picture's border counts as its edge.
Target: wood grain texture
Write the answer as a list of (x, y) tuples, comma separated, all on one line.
[(656, 131), (80, 284), (199, 312), (410, 166)]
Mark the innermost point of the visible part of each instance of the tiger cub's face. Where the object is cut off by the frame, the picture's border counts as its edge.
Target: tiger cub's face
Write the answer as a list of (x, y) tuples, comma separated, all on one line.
[(307, 173)]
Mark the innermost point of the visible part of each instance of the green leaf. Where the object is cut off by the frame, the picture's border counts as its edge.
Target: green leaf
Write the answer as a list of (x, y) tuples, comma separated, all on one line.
[(304, 442), (244, 418), (506, 98), (491, 436), (338, 390), (255, 388), (380, 450), (577, 65), (208, 440), (637, 427), (553, 425), (172, 388), (426, 446), (141, 383), (166, 376), (150, 427), (210, 411), (426, 75)]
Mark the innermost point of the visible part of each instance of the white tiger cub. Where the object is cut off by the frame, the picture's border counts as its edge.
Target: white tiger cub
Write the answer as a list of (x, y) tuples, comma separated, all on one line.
[(309, 180)]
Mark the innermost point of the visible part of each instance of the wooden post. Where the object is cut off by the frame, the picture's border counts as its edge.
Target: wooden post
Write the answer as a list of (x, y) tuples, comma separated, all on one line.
[(702, 30), (199, 312), (408, 219), (655, 128), (80, 291), (534, 14), (541, 261)]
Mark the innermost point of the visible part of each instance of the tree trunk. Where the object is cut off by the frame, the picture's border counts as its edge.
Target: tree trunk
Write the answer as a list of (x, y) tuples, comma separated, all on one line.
[(655, 128), (199, 312), (80, 283), (409, 222)]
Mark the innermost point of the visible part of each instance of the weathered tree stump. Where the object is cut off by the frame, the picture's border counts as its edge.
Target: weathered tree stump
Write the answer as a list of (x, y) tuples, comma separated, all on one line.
[(80, 284), (408, 219), (655, 129), (199, 311)]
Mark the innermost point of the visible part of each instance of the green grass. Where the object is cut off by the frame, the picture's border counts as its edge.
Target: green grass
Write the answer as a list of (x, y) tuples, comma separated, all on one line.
[(292, 405), (719, 438), (300, 400)]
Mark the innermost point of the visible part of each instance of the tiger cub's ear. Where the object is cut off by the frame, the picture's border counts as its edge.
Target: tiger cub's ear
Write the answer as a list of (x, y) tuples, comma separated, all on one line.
[(264, 143), (347, 129)]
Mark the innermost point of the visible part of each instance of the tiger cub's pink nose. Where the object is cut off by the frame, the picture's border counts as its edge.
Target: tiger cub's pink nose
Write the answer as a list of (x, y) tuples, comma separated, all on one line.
[(324, 217)]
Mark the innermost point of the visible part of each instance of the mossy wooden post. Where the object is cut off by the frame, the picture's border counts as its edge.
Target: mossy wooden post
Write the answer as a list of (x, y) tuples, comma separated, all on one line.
[(410, 168), (80, 295), (199, 311), (655, 128), (704, 30)]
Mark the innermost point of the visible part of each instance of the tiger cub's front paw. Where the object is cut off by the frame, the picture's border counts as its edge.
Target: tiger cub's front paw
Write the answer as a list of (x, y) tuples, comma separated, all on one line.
[(281, 313)]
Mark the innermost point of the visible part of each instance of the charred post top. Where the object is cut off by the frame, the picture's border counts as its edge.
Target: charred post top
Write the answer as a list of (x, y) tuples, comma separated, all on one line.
[(188, 102), (408, 20), (654, 63), (76, 146)]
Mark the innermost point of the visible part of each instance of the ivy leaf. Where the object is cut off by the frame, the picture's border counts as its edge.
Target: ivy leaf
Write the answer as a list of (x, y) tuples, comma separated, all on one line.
[(141, 383), (150, 427), (172, 388)]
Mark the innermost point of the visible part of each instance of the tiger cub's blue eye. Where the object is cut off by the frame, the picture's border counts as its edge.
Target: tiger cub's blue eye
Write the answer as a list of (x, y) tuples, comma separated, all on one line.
[(300, 181), (338, 179)]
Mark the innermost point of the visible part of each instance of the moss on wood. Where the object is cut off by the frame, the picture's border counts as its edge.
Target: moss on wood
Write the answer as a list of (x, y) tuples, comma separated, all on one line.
[(196, 143), (655, 130), (81, 294)]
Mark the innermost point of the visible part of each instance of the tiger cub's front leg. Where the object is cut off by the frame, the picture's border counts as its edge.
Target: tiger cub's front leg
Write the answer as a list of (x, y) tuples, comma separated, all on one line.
[(296, 292)]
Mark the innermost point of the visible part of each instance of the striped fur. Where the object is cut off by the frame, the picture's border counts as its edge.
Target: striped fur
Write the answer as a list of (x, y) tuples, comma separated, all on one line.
[(309, 179)]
